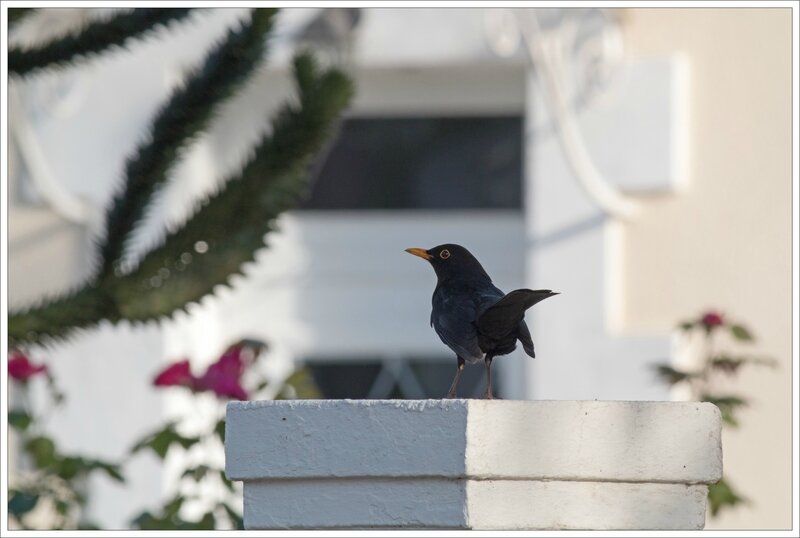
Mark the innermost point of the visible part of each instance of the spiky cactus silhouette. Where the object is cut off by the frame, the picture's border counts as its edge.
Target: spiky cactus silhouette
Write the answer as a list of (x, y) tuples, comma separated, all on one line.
[(226, 229)]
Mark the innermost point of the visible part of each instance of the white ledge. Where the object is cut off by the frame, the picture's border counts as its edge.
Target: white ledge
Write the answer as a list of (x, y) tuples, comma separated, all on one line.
[(474, 464)]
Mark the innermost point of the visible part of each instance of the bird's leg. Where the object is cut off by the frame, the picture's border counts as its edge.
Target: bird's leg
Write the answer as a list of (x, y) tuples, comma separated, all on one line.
[(452, 392), (487, 395)]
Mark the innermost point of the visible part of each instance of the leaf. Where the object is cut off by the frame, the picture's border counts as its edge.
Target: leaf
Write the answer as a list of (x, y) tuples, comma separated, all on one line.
[(721, 495), (62, 507), (741, 333), (730, 365), (70, 466), (261, 386), (169, 518), (205, 523), (42, 450), (219, 430), (208, 522), (197, 473), (113, 470), (173, 506), (147, 521), (672, 375), (21, 502), (686, 325), (727, 406), (161, 441), (19, 419), (236, 519), (724, 401), (305, 388), (226, 481)]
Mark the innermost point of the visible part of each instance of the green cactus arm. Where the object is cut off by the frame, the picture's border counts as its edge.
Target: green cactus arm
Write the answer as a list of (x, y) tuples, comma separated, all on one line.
[(95, 38)]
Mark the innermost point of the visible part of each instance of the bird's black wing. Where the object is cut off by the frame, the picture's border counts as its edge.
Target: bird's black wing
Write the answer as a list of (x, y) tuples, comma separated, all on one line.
[(453, 319), (506, 316)]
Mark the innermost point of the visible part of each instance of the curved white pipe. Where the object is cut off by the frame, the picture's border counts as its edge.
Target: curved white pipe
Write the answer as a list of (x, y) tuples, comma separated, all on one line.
[(65, 203), (545, 53)]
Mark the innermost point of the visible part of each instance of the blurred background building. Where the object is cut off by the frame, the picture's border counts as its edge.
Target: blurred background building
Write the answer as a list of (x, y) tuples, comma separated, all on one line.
[(529, 141)]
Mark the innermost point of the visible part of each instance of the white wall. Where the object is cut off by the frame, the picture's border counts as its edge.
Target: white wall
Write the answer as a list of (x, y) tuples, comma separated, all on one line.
[(726, 242)]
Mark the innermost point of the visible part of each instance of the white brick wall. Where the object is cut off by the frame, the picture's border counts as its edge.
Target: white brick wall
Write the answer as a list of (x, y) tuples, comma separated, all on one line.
[(474, 464)]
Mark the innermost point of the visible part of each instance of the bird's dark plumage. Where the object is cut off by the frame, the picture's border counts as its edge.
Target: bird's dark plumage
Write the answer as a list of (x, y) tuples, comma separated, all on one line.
[(471, 315)]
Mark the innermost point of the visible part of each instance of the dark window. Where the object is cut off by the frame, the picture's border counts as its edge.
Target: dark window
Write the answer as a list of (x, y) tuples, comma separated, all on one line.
[(430, 162), (395, 378)]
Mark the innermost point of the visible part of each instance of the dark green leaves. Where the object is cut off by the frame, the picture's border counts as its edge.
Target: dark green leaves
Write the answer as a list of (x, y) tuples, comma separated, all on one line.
[(740, 332), (722, 495), (219, 430), (672, 375), (710, 321), (225, 481), (56, 479), (201, 472), (73, 466), (93, 39), (169, 518), (161, 441), (111, 470), (235, 518), (727, 406), (702, 381), (42, 451), (731, 365), (300, 385), (19, 419), (196, 473), (21, 502)]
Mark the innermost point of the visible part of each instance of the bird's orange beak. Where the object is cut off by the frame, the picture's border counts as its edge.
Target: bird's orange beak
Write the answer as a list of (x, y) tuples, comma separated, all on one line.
[(421, 252)]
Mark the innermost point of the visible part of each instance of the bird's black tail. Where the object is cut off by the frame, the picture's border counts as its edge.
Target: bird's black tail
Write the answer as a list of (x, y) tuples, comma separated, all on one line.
[(507, 315)]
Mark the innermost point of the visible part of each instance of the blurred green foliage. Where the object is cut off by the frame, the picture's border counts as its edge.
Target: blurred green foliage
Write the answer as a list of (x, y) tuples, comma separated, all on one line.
[(57, 482), (51, 478), (717, 363)]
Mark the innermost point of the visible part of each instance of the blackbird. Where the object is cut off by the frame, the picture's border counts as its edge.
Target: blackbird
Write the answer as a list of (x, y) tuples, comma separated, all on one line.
[(471, 315)]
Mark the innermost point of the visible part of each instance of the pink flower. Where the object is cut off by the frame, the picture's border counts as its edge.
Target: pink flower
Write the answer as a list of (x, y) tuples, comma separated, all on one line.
[(176, 374), (712, 319), (224, 376), (22, 369)]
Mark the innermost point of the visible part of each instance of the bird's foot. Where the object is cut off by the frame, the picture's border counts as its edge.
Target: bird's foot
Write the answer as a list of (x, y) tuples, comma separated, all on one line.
[(451, 395), (488, 395)]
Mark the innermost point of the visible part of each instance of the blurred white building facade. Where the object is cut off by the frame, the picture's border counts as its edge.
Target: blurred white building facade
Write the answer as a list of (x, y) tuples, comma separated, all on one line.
[(334, 286)]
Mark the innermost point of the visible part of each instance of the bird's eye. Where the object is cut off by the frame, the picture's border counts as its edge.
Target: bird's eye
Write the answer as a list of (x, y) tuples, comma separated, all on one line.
[(444, 254)]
